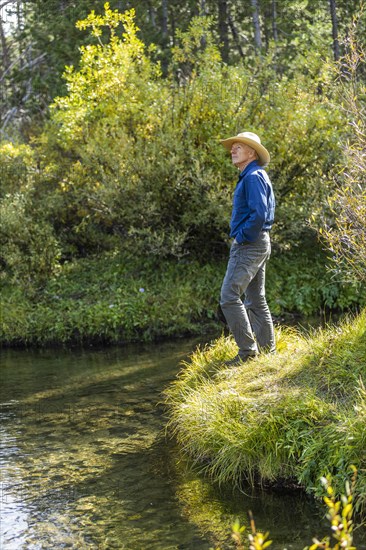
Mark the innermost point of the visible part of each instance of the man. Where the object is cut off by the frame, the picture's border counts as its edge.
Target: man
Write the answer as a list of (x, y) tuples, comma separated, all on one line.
[(252, 217)]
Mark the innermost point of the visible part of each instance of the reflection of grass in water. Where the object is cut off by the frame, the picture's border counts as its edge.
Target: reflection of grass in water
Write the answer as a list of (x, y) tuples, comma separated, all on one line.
[(217, 517), (216, 509), (201, 505)]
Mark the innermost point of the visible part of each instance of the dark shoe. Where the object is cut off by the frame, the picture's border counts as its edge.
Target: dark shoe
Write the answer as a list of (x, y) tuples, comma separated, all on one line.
[(220, 315), (239, 360)]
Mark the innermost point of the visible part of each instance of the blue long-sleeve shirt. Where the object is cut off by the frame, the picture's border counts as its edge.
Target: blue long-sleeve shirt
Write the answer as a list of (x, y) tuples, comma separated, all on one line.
[(253, 204)]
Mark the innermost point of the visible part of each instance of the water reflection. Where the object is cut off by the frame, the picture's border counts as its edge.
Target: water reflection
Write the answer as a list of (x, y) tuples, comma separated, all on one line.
[(81, 461), (85, 463)]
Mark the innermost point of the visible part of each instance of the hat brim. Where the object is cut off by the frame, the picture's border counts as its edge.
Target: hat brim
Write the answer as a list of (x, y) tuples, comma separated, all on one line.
[(264, 156)]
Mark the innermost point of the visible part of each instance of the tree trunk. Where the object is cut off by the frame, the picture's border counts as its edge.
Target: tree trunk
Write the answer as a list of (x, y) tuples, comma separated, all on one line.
[(235, 34), (164, 21), (333, 13), (257, 30), (274, 21), (223, 30), (152, 14), (5, 57)]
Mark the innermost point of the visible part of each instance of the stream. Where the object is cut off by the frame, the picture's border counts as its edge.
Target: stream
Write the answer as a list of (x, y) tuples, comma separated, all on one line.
[(86, 462)]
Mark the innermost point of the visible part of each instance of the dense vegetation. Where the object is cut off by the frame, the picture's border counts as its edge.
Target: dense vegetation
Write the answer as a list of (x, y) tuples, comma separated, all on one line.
[(116, 298), (44, 39), (127, 170), (116, 197)]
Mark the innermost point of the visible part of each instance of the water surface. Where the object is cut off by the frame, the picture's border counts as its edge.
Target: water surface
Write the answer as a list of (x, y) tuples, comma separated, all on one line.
[(86, 463)]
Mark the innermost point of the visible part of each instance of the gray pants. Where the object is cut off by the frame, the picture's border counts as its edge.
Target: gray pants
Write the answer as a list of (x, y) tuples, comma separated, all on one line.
[(250, 320)]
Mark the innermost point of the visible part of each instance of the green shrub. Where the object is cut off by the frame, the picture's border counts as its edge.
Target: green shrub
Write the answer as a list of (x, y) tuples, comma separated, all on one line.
[(299, 281), (135, 155), (99, 298), (17, 167), (29, 251)]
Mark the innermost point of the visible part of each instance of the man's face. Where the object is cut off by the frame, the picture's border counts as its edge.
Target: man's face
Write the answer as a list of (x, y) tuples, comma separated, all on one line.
[(242, 154)]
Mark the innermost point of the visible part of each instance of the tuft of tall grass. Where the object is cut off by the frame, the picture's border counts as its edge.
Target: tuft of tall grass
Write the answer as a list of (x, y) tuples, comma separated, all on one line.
[(296, 415)]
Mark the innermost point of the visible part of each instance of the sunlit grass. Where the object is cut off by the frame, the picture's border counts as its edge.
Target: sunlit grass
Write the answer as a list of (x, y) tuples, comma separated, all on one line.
[(296, 415)]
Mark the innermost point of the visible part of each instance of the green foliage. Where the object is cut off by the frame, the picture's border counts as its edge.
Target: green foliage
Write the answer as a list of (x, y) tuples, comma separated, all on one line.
[(130, 161), (296, 415), (130, 170), (106, 88), (344, 233), (17, 167), (112, 299), (299, 281), (340, 515), (29, 251), (139, 161)]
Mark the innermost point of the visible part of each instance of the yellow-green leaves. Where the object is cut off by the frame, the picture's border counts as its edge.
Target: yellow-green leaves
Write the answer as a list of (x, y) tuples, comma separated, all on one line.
[(111, 19), (340, 512)]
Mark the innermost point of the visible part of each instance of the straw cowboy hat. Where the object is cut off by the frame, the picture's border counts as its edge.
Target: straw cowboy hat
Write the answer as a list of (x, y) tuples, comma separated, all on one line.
[(253, 141)]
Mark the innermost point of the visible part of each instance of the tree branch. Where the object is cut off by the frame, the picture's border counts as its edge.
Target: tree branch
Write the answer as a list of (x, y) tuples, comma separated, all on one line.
[(3, 4)]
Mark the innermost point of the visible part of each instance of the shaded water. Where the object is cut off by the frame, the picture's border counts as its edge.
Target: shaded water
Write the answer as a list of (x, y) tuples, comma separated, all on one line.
[(85, 462)]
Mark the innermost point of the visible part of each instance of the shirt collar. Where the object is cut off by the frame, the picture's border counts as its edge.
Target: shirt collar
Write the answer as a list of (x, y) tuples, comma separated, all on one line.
[(249, 167)]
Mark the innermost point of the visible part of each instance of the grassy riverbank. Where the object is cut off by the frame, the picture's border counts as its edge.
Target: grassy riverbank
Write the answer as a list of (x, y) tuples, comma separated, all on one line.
[(115, 298), (112, 299), (287, 418)]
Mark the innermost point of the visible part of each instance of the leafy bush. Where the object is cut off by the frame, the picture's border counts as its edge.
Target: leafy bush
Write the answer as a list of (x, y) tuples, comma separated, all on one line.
[(136, 156), (17, 166), (345, 233), (299, 281), (30, 251), (130, 162)]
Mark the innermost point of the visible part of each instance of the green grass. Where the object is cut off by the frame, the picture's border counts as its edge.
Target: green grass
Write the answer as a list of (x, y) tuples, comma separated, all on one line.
[(294, 416), (116, 298)]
